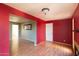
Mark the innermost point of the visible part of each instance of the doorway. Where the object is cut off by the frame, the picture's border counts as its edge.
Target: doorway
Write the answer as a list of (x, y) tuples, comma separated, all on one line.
[(20, 36), (14, 38), (49, 32)]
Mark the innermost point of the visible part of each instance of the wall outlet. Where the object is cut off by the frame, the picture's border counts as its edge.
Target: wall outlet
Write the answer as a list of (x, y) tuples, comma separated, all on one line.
[(64, 40)]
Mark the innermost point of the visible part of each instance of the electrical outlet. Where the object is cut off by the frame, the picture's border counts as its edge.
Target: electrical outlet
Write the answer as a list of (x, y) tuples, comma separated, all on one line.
[(64, 40)]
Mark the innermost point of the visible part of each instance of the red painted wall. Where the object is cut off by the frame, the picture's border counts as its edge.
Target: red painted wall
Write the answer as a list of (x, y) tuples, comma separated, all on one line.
[(62, 30), (76, 24), (41, 32), (4, 31), (5, 12)]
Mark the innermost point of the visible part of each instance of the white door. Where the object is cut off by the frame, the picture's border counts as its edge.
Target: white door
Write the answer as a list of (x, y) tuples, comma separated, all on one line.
[(15, 38), (49, 32)]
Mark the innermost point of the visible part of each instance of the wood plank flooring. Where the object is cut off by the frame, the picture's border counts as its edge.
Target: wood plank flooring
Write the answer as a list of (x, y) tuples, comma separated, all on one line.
[(27, 48)]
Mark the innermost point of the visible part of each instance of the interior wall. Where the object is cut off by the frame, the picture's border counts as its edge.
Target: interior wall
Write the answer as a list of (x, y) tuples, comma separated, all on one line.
[(29, 34), (76, 24), (62, 30), (41, 32), (4, 31)]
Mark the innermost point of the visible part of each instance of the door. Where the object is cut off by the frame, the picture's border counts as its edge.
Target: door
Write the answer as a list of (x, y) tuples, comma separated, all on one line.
[(15, 39), (49, 32)]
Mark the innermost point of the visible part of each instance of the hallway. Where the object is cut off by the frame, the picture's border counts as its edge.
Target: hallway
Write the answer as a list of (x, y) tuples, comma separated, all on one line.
[(26, 48)]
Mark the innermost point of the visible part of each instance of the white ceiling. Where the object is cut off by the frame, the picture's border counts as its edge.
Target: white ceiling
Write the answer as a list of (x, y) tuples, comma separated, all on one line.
[(57, 10)]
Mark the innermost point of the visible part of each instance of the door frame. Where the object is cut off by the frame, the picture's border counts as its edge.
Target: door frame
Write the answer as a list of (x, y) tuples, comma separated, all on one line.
[(10, 27), (51, 31)]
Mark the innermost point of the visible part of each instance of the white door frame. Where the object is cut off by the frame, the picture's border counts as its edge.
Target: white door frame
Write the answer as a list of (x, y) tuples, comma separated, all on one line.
[(14, 41), (49, 32)]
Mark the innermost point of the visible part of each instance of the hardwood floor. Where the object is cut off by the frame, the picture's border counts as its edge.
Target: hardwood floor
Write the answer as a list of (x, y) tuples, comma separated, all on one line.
[(26, 48)]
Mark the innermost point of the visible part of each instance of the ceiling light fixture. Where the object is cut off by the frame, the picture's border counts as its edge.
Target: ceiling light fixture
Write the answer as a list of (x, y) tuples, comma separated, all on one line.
[(45, 10)]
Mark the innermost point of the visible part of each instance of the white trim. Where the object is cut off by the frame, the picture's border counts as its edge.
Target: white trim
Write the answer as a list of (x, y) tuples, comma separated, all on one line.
[(35, 44), (73, 33)]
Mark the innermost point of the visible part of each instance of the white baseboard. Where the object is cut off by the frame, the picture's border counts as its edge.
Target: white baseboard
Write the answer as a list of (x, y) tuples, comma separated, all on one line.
[(35, 44)]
